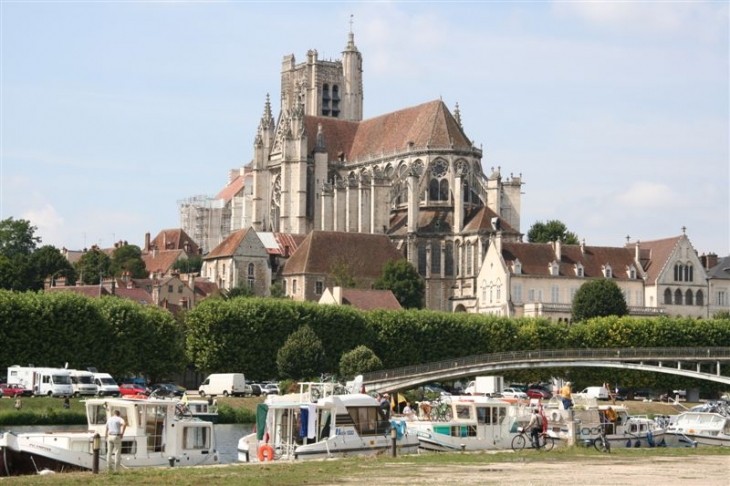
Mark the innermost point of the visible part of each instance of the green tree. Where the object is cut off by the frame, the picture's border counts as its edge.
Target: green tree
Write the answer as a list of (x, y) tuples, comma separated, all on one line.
[(359, 360), (553, 230), (277, 291), (93, 266), (301, 356), (598, 298), (17, 237), (48, 262), (244, 291), (192, 264), (128, 258), (403, 280)]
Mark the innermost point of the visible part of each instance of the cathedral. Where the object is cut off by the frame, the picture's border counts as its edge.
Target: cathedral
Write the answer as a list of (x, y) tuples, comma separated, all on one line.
[(411, 174)]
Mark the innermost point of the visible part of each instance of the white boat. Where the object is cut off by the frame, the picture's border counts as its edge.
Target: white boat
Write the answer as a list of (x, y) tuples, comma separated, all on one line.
[(586, 419), (157, 434), (202, 409), (468, 423), (696, 427), (300, 426)]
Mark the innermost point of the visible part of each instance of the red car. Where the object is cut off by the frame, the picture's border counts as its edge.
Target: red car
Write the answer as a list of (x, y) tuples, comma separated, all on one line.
[(538, 393), (14, 390), (129, 389)]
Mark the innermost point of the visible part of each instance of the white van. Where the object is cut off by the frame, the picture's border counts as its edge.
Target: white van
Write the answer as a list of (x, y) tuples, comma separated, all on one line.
[(83, 383), (52, 382), (597, 392), (107, 385), (225, 384)]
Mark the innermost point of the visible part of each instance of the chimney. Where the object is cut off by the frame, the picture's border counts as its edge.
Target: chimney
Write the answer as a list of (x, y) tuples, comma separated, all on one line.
[(637, 252), (337, 294), (558, 251), (710, 260), (583, 246), (146, 242)]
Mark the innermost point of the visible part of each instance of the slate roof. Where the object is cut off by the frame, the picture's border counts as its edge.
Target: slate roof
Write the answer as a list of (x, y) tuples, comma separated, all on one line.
[(320, 250), (720, 271), (654, 255), (429, 124), (228, 247), (537, 257), (367, 299)]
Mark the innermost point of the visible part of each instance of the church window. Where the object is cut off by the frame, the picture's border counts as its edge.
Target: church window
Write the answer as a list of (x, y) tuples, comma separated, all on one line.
[(326, 100), (499, 290), (422, 259), (433, 190), (457, 260), (667, 297), (436, 259), (449, 259), (335, 101), (688, 297), (251, 270), (678, 272), (469, 258), (700, 300), (444, 190), (484, 291), (677, 297), (688, 273)]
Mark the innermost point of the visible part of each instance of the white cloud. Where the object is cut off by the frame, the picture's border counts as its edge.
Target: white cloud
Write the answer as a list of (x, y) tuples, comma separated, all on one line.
[(49, 223), (648, 195)]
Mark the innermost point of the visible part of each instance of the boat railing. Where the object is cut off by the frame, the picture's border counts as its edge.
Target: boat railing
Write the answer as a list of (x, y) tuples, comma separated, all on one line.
[(311, 391)]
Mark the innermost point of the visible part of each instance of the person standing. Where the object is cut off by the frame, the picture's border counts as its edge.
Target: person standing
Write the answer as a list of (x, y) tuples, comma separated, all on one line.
[(115, 428), (535, 428), (18, 403), (567, 396), (66, 403)]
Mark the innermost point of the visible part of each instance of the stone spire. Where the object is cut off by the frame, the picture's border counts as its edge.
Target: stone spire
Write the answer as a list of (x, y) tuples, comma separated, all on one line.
[(457, 115), (267, 119), (320, 145)]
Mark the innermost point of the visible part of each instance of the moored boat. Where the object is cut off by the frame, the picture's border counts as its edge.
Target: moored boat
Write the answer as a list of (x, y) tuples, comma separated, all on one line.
[(705, 425), (299, 426), (466, 423), (158, 433)]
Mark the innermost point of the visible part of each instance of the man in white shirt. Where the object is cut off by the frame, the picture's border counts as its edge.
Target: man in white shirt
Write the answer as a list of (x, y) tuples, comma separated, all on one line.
[(115, 428)]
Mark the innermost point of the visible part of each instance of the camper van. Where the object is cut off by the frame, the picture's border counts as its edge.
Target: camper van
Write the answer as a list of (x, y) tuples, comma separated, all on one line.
[(106, 384), (225, 384), (52, 382), (83, 383)]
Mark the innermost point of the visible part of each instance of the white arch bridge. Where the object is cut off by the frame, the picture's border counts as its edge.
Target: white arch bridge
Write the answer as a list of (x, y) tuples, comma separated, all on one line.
[(700, 363)]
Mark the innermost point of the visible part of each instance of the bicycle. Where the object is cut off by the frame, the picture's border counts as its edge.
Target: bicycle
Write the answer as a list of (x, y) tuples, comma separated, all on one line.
[(600, 443), (519, 441), (441, 411)]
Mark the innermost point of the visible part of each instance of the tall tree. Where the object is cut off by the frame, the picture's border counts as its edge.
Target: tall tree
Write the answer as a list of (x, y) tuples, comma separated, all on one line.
[(17, 237), (128, 258), (359, 360), (553, 230), (598, 298), (93, 266), (301, 356), (48, 262), (403, 280), (192, 264)]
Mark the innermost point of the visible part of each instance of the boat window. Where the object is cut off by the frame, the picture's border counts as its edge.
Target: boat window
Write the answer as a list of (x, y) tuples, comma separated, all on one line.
[(97, 415), (153, 418), (367, 420), (463, 412), (196, 438), (463, 431), (489, 415)]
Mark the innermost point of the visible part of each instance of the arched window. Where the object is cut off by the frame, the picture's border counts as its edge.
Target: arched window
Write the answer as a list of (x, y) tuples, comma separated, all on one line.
[(449, 259), (436, 259), (668, 297), (444, 190), (433, 190), (677, 297), (469, 258), (688, 297), (457, 260), (251, 269), (678, 272), (700, 300), (688, 273)]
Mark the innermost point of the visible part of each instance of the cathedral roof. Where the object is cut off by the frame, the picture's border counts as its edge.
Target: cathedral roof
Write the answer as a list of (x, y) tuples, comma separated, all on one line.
[(364, 253), (426, 125), (233, 188), (537, 257)]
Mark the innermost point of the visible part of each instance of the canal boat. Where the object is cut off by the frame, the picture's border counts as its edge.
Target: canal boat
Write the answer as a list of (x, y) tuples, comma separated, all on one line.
[(159, 433), (314, 424), (707, 424)]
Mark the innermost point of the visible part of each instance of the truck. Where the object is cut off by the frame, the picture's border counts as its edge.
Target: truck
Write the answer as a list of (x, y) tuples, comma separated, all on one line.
[(225, 384), (484, 384), (83, 383), (52, 382)]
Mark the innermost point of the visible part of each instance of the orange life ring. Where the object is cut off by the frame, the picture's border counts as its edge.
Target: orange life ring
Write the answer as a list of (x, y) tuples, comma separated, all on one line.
[(266, 453)]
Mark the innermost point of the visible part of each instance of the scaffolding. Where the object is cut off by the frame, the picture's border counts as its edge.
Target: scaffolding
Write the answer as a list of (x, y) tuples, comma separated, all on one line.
[(206, 220)]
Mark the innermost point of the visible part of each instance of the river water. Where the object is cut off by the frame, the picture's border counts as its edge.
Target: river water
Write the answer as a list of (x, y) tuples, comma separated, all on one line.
[(227, 436)]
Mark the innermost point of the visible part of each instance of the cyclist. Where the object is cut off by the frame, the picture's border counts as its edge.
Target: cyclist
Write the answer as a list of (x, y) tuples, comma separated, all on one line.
[(535, 427)]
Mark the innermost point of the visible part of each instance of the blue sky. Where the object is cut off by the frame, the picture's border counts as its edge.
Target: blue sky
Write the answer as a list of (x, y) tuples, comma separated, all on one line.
[(615, 113)]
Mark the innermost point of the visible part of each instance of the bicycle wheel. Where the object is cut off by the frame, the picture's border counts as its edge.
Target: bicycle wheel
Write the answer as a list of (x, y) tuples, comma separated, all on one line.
[(547, 442), (518, 442), (447, 414), (601, 444)]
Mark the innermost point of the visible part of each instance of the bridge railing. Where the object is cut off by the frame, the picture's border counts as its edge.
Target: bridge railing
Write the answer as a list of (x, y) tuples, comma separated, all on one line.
[(614, 354)]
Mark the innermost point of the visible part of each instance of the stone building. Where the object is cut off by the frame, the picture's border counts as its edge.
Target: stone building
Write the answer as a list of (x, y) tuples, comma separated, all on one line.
[(412, 175)]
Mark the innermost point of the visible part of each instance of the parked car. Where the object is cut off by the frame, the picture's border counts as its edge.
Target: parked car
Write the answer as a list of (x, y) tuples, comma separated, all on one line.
[(15, 390), (538, 393), (270, 389), (435, 390), (167, 389), (256, 390), (129, 389), (514, 393)]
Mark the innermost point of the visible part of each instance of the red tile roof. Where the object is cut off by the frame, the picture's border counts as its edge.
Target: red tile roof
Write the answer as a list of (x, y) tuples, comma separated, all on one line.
[(162, 261), (173, 239), (233, 188), (654, 255), (366, 299), (426, 125), (320, 250), (537, 257), (228, 246), (94, 291)]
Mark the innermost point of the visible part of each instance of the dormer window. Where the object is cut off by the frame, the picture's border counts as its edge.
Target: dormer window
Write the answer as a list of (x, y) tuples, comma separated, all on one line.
[(517, 267), (607, 271), (632, 272), (579, 270), (554, 272)]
